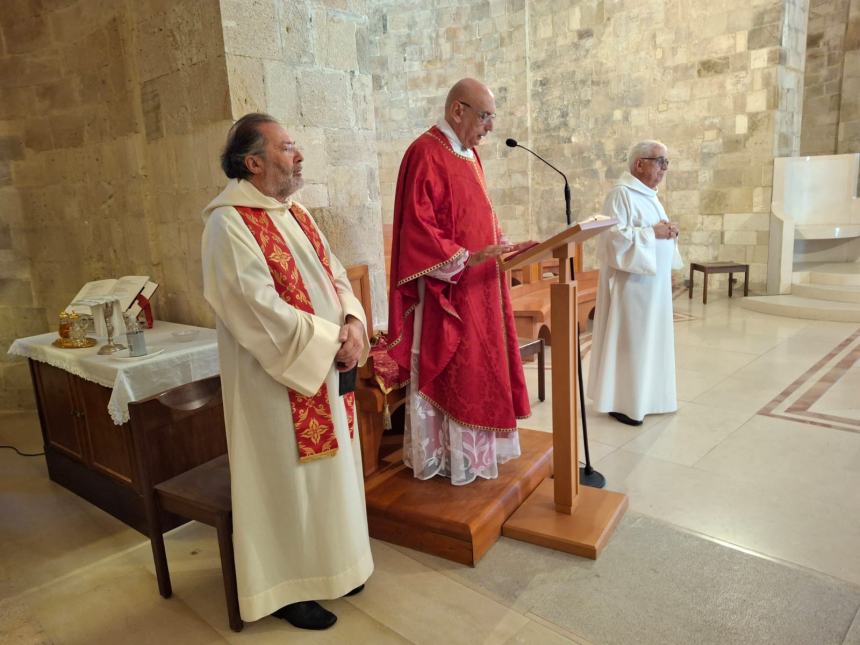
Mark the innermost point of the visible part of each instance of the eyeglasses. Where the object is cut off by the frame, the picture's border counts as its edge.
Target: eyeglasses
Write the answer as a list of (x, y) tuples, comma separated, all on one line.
[(486, 117), (291, 147), (661, 161)]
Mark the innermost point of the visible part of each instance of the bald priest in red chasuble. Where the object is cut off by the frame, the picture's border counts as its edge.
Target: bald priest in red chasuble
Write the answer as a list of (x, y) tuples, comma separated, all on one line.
[(450, 321)]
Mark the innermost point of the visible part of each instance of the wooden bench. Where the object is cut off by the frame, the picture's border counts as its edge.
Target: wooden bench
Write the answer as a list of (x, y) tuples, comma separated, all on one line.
[(707, 268), (531, 301)]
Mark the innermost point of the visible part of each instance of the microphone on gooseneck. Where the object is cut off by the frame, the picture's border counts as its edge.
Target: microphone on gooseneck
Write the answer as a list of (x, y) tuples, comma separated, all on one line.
[(512, 143), (587, 474)]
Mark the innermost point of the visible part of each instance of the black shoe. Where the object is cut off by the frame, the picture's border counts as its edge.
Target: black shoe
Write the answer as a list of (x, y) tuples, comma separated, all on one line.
[(307, 614), (355, 591), (623, 418)]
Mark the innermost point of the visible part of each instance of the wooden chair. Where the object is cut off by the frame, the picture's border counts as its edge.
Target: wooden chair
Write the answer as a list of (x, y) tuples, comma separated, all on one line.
[(369, 398), (184, 421), (359, 280)]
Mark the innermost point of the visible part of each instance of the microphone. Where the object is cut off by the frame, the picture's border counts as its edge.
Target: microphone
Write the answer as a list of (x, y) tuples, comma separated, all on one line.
[(587, 475), (512, 143)]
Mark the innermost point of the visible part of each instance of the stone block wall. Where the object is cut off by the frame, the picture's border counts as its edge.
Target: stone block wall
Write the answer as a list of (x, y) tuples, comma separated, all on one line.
[(825, 59), (718, 82), (848, 136), (307, 63), (112, 115), (19, 314), (182, 96)]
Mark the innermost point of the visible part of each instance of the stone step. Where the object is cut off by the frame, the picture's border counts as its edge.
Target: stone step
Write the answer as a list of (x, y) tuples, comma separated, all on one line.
[(834, 279), (827, 292), (798, 307), (828, 273)]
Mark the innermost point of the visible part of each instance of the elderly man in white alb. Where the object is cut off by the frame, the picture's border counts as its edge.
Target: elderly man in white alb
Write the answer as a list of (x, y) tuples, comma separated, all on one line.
[(287, 323), (632, 370)]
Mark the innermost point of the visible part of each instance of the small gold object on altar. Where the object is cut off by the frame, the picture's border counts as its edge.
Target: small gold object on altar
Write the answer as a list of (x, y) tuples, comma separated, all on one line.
[(73, 332), (68, 343), (65, 325)]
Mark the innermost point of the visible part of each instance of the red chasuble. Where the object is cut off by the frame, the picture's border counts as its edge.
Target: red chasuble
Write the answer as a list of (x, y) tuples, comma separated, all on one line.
[(312, 417), (470, 364)]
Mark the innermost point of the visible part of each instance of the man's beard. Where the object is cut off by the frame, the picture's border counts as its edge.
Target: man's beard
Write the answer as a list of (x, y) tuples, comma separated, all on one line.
[(291, 185)]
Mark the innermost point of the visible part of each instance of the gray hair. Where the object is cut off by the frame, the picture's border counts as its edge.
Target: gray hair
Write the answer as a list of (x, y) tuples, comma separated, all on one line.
[(244, 139), (642, 149)]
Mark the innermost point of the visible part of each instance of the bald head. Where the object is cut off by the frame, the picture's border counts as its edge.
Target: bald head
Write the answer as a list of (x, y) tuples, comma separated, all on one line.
[(466, 89), (470, 109)]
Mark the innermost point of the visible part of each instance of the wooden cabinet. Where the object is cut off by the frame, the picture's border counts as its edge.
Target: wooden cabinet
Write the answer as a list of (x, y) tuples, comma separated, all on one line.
[(75, 422), (109, 446), (98, 460)]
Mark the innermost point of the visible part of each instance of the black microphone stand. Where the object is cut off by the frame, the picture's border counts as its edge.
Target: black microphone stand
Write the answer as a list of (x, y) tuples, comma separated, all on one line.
[(587, 475)]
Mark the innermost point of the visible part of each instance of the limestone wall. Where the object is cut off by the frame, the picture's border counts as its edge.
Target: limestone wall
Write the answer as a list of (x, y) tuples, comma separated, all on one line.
[(112, 118), (719, 82), (848, 136), (831, 110), (112, 114), (825, 57)]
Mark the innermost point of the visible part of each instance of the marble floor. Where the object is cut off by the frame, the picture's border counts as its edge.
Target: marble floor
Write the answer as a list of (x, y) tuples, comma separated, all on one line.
[(744, 526)]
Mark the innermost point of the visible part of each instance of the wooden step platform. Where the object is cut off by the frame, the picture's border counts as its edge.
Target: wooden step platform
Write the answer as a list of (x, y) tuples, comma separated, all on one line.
[(459, 523)]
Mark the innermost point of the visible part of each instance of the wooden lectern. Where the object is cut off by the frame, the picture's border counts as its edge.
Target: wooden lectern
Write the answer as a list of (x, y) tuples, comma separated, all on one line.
[(561, 514)]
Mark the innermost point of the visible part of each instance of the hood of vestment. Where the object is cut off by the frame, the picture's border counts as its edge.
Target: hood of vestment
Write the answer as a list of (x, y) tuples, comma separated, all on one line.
[(629, 181), (239, 192)]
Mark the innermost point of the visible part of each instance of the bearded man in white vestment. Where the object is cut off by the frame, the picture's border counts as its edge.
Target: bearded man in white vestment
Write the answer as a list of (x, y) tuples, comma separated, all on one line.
[(632, 370), (287, 324)]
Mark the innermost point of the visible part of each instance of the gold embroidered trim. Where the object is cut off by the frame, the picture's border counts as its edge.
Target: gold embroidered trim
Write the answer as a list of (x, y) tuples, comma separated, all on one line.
[(447, 145), (406, 315), (463, 423), (431, 269), (322, 455)]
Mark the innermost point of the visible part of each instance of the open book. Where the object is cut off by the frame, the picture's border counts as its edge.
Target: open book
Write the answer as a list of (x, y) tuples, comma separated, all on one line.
[(126, 290)]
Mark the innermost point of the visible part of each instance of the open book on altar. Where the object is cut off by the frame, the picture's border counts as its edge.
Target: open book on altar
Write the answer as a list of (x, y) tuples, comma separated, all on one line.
[(538, 251), (125, 289)]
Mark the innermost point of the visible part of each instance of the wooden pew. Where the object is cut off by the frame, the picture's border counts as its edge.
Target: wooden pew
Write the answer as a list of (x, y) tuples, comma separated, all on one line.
[(530, 297)]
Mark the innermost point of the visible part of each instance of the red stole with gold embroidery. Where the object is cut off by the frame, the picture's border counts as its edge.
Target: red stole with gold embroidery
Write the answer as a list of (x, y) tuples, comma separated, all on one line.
[(312, 416)]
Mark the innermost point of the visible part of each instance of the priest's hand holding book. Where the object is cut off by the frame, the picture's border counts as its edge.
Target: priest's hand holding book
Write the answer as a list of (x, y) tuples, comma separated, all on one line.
[(351, 337), (352, 342), (494, 251)]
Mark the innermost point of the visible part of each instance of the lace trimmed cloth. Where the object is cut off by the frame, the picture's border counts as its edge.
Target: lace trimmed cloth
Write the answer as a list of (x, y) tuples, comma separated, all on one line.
[(176, 363)]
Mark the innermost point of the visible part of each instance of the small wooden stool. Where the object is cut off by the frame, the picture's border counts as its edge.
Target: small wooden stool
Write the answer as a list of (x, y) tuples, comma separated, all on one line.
[(202, 494), (530, 348), (708, 268)]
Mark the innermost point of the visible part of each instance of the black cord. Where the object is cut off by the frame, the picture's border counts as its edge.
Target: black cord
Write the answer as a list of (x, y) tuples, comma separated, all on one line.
[(24, 454)]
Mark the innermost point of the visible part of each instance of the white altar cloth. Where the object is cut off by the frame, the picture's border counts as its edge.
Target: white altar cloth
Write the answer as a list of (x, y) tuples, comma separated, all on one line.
[(132, 380)]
